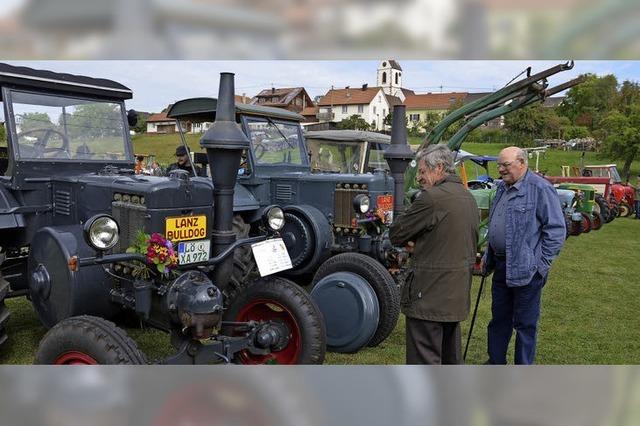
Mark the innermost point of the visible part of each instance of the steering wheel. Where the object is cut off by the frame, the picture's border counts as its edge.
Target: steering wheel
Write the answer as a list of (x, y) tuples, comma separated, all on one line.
[(477, 184), (40, 146), (259, 150)]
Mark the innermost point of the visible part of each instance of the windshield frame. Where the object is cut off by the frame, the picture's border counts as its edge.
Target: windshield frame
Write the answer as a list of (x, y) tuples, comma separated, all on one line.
[(304, 155), (12, 134)]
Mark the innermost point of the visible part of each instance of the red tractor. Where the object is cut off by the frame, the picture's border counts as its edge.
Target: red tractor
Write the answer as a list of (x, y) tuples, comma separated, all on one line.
[(622, 193)]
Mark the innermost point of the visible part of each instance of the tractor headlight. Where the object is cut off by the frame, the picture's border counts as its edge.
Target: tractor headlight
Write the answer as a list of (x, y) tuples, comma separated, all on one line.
[(273, 217), (361, 203), (101, 232)]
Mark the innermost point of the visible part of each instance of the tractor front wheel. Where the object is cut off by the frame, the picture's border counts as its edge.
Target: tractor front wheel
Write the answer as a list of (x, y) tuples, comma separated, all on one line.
[(87, 340), (624, 210), (278, 300), (380, 280), (596, 221), (586, 223)]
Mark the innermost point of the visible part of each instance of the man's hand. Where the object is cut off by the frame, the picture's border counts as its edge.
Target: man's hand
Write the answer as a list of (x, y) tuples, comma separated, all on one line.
[(410, 246)]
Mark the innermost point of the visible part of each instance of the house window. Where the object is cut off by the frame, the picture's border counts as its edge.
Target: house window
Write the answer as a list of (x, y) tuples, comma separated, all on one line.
[(298, 101), (374, 110), (414, 117), (344, 109), (397, 75), (384, 112), (360, 109), (384, 77)]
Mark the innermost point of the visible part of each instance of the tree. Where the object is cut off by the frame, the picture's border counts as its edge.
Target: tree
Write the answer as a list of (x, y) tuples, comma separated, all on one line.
[(34, 120), (97, 120), (622, 141), (589, 102), (354, 122)]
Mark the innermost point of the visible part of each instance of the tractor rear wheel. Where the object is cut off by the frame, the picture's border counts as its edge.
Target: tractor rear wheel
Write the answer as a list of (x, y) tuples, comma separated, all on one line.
[(382, 283), (4, 311), (624, 210), (87, 340), (586, 223), (279, 300)]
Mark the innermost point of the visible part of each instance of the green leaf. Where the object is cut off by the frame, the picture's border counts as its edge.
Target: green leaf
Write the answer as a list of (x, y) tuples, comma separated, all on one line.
[(160, 267)]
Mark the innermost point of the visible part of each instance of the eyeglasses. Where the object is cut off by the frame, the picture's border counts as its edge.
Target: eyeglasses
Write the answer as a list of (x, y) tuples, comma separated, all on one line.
[(505, 164)]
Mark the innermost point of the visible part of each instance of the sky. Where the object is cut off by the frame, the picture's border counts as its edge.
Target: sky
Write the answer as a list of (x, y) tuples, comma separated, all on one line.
[(156, 84)]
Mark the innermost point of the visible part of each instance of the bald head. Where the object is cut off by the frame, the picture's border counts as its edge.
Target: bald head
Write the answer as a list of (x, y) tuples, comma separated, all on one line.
[(512, 164)]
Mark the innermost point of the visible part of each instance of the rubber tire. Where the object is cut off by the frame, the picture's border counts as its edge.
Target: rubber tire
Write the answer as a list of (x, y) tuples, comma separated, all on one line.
[(96, 337), (244, 265), (380, 281), (576, 228), (586, 223), (624, 210), (596, 221), (605, 211), (4, 311), (306, 313)]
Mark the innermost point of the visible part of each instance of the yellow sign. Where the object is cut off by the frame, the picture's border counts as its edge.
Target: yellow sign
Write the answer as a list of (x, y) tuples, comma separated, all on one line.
[(185, 228)]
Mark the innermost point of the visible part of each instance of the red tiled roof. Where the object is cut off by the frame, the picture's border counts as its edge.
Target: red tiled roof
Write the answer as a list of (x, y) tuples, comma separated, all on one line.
[(313, 110), (435, 101), (349, 96), (160, 116)]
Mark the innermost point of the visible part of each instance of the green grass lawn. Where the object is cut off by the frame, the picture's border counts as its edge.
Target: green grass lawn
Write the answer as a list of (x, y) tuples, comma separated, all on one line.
[(589, 311)]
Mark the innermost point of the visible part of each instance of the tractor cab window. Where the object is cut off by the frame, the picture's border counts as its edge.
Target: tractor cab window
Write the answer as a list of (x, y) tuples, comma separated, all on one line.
[(376, 158), (335, 157), (63, 128), (275, 142), (4, 154)]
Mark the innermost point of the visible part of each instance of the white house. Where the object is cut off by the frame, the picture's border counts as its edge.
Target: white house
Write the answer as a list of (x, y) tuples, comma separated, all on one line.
[(373, 104)]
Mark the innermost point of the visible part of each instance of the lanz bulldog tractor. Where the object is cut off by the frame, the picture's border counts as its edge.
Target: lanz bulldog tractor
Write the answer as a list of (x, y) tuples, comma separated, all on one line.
[(83, 237), (336, 230)]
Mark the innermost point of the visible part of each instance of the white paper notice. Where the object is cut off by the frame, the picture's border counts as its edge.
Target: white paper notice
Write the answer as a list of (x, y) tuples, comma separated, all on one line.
[(271, 256)]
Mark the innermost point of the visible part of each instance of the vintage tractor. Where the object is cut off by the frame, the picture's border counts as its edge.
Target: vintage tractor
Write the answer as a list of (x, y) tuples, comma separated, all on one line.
[(585, 204), (622, 194), (73, 213), (336, 230)]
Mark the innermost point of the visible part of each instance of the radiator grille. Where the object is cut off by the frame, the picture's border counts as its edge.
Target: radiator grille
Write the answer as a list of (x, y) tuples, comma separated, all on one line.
[(62, 202), (284, 192), (344, 213), (130, 218)]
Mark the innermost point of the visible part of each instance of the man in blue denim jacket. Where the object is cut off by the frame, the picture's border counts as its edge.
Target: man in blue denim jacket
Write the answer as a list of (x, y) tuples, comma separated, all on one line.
[(526, 232)]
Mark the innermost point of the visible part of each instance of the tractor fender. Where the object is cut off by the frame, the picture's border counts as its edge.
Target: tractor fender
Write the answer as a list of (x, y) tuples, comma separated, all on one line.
[(9, 219), (243, 200), (321, 236), (55, 290)]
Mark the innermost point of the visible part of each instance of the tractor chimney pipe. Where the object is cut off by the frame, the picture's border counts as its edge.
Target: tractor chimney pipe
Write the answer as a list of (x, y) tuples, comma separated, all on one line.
[(398, 155), (224, 142)]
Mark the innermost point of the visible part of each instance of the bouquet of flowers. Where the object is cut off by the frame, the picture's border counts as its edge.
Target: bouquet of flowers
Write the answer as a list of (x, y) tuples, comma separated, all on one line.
[(159, 252)]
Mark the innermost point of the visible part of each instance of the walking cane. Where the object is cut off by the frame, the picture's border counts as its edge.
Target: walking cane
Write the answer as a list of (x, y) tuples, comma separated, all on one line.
[(473, 318)]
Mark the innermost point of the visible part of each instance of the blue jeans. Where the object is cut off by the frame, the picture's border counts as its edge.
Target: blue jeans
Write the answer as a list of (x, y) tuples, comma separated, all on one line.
[(637, 203), (513, 308)]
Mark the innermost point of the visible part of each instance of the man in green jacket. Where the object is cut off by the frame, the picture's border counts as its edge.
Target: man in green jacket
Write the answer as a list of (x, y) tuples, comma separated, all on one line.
[(442, 227)]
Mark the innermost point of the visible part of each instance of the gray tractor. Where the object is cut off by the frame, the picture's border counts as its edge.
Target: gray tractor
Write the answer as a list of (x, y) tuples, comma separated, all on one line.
[(336, 230), (72, 213)]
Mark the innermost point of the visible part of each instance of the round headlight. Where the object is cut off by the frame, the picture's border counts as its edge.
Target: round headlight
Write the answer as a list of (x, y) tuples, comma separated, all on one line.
[(274, 217), (361, 203), (102, 232)]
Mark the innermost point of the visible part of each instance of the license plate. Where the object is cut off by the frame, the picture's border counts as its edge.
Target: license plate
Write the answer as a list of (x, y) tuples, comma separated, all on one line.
[(271, 256), (193, 251), (185, 228)]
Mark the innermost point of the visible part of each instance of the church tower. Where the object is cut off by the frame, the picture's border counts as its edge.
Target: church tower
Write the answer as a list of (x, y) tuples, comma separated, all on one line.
[(390, 77)]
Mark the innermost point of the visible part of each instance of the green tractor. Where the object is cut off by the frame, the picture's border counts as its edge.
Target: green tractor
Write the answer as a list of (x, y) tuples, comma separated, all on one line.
[(585, 203)]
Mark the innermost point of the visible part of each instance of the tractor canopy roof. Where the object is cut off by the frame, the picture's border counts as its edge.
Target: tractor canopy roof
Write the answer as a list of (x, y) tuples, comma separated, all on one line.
[(481, 160), (348, 136), (204, 109), (29, 78)]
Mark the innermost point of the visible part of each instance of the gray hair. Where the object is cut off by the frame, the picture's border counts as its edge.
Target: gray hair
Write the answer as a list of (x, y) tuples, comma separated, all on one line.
[(521, 154), (437, 154)]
